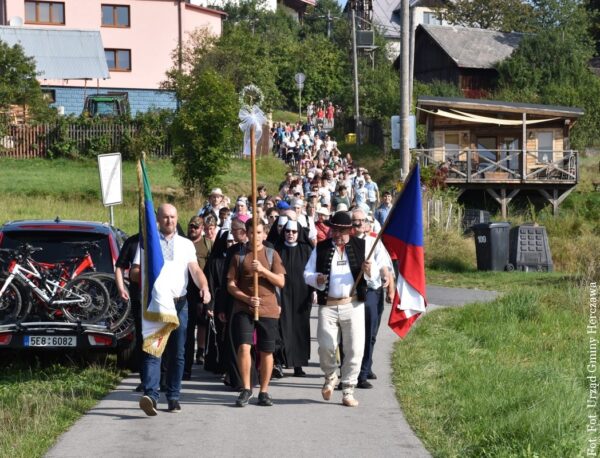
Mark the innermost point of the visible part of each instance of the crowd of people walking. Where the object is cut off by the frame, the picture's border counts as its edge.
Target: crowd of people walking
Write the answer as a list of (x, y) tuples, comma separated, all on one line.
[(315, 233)]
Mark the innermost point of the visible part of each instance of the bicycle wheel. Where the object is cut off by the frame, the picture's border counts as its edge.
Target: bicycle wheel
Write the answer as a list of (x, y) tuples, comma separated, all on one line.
[(119, 309), (83, 299), (10, 302)]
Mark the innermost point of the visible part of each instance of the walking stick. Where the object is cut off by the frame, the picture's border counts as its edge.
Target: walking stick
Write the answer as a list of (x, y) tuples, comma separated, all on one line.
[(255, 240)]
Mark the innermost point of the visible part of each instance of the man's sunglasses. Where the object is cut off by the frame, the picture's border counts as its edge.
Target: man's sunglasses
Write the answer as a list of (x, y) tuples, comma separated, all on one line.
[(289, 231), (194, 226)]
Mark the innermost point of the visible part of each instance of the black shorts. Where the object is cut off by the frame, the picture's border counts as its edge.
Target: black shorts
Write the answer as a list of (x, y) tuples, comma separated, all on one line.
[(267, 331)]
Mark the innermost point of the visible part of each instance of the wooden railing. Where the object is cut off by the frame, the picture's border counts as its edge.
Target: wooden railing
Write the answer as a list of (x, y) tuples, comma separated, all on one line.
[(472, 166), (27, 141)]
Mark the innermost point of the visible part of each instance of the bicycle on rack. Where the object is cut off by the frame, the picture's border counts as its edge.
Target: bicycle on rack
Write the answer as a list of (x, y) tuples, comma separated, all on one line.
[(83, 265), (79, 299)]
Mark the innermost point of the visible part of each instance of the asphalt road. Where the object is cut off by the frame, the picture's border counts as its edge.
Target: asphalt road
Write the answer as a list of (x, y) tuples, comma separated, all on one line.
[(299, 424)]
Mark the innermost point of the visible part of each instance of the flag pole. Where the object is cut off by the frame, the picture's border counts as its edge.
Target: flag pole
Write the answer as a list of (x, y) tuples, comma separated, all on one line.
[(380, 234), (255, 240)]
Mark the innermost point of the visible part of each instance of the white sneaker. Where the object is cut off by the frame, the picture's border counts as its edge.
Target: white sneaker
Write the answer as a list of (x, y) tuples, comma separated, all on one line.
[(329, 386), (349, 401)]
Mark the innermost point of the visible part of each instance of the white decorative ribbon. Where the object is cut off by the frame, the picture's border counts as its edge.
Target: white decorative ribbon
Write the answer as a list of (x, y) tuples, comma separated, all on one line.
[(251, 116)]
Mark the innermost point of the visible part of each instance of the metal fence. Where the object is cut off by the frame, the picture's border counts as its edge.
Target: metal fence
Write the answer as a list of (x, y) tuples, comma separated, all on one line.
[(31, 141)]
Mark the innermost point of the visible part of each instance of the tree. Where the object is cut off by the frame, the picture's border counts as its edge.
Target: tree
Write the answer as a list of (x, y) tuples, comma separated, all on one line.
[(18, 83), (551, 67), (204, 131), (502, 15)]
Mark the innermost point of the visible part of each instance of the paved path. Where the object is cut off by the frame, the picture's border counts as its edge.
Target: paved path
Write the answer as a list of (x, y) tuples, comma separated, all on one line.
[(300, 423)]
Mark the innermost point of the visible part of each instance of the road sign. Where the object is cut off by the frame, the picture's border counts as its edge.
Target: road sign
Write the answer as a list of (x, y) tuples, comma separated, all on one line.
[(299, 78), (110, 178)]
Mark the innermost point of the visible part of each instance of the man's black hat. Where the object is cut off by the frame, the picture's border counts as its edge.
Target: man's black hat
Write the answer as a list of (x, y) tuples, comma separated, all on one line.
[(340, 220)]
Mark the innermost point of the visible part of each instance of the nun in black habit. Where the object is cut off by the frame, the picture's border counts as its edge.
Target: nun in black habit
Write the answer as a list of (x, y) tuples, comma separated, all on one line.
[(296, 296)]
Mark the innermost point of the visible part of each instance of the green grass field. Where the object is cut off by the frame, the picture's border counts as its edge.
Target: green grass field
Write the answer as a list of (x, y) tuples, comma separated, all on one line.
[(504, 379), (40, 399), (70, 189)]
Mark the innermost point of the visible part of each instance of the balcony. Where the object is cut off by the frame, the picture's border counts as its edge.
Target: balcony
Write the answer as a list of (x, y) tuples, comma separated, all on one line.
[(504, 167)]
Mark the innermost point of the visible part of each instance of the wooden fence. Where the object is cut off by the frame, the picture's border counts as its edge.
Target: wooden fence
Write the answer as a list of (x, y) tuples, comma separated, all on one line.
[(442, 215), (27, 141)]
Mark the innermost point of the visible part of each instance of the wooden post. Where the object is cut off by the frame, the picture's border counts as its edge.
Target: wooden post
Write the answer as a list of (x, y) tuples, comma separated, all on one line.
[(254, 221)]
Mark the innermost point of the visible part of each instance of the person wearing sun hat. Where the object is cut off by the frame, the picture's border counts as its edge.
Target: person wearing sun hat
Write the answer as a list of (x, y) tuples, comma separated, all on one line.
[(334, 266), (215, 202)]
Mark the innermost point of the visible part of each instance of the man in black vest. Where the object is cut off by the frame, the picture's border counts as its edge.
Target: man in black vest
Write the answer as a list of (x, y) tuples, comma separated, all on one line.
[(333, 269)]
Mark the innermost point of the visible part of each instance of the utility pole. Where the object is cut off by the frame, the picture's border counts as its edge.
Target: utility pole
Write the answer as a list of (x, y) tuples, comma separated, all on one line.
[(329, 21), (355, 66), (404, 90)]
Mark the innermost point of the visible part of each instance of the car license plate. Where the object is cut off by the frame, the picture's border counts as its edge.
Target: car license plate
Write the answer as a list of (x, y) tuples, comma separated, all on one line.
[(50, 341)]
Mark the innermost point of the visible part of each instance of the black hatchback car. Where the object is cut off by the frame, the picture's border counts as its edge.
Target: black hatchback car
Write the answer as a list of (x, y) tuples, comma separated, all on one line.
[(58, 240)]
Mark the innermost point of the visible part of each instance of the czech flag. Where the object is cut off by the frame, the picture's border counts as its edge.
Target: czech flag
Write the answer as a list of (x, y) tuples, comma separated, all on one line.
[(159, 315), (403, 238)]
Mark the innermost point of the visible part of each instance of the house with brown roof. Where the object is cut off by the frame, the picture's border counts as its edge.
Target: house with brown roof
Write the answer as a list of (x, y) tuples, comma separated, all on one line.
[(464, 56)]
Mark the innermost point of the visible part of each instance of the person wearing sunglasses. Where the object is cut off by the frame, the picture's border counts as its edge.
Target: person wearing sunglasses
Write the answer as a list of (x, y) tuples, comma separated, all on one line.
[(296, 297)]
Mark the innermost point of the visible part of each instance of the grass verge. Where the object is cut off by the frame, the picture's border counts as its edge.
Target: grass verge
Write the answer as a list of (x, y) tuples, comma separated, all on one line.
[(502, 379), (41, 400)]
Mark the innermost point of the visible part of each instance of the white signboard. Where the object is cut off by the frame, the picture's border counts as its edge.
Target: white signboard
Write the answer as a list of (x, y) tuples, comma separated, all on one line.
[(111, 182), (412, 132)]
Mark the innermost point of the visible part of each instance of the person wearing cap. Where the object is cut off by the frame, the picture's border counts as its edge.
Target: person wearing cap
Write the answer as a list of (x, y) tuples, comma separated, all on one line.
[(334, 266), (198, 313), (215, 202), (296, 297), (266, 262), (374, 299), (323, 230)]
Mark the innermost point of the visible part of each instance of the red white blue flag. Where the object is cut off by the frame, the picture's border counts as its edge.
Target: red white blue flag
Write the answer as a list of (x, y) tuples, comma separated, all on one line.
[(403, 239)]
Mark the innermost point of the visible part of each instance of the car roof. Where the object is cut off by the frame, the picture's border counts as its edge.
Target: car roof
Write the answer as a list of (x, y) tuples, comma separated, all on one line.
[(58, 225)]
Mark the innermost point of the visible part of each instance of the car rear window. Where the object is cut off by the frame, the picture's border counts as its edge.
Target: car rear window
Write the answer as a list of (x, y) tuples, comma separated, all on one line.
[(58, 246)]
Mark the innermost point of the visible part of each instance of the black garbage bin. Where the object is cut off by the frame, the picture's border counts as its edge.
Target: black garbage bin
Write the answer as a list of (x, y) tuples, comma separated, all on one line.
[(491, 245)]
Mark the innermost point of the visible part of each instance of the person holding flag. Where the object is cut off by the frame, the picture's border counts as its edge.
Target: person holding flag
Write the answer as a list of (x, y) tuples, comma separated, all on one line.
[(163, 261), (340, 271)]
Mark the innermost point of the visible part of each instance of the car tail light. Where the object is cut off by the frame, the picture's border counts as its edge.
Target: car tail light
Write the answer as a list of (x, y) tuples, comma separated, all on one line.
[(98, 340), (5, 338)]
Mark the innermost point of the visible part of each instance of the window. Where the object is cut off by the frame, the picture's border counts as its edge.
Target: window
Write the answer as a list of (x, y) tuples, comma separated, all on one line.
[(510, 149), (451, 146), (544, 140), (118, 60), (431, 19), (49, 95), (115, 16), (44, 12), (486, 147)]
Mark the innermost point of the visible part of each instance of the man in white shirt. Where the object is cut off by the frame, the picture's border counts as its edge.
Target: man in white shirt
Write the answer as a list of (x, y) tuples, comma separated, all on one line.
[(374, 298), (179, 258), (335, 265)]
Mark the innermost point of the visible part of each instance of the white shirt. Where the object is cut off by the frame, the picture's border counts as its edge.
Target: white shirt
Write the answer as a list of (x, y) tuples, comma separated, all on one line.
[(380, 258), (340, 276), (176, 269)]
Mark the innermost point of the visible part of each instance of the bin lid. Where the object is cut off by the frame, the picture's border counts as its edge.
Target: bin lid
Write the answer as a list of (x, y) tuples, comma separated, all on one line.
[(500, 224)]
